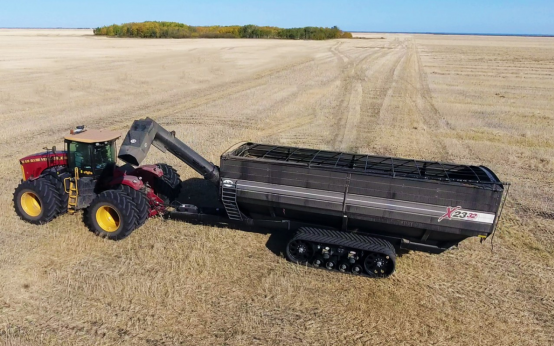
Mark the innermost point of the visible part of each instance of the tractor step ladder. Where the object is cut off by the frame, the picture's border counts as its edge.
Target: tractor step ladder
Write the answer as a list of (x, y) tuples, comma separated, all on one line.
[(73, 192), (229, 199)]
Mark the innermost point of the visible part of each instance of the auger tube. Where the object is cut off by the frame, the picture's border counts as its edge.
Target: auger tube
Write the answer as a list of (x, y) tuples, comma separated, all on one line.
[(145, 132)]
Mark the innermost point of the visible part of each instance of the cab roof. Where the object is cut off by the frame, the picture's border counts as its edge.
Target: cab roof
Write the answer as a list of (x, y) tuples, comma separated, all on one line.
[(93, 136)]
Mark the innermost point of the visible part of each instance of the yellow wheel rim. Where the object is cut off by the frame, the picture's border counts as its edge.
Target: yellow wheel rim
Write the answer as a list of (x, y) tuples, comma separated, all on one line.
[(107, 218), (31, 204)]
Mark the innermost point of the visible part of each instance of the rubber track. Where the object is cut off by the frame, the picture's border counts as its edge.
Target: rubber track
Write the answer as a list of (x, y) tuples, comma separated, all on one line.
[(347, 240), (352, 240)]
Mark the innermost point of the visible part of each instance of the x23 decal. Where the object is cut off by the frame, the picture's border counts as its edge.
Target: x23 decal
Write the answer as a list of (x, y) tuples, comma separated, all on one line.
[(457, 213)]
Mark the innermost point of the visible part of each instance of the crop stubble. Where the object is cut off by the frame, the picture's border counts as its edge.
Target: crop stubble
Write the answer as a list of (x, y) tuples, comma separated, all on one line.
[(479, 100)]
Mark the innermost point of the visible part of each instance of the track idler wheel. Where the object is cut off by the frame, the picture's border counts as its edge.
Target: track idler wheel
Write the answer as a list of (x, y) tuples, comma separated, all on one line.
[(378, 265), (299, 251)]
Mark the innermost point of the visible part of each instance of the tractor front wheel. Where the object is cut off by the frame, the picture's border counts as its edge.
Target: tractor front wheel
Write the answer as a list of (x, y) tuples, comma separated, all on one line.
[(36, 201), (112, 214)]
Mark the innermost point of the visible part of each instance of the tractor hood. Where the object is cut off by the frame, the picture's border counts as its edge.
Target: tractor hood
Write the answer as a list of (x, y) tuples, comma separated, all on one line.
[(33, 165), (44, 156)]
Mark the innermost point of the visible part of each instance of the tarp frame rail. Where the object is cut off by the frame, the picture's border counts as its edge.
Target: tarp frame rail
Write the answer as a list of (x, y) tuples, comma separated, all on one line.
[(398, 167)]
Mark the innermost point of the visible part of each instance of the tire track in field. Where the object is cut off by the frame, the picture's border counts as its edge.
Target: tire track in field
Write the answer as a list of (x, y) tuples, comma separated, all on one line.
[(324, 113), (337, 114), (335, 50), (377, 82), (349, 129), (435, 120), (354, 114), (399, 129), (408, 120)]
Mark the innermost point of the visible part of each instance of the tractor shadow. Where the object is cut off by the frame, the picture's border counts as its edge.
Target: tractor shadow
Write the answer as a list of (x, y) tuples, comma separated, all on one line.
[(204, 194)]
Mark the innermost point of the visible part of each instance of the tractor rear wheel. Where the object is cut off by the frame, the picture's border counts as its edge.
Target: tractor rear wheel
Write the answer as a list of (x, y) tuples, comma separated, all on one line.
[(112, 214), (141, 202), (168, 186), (37, 201)]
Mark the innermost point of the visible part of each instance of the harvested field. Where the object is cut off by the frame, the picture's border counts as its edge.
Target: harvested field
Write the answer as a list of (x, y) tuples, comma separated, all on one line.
[(467, 99)]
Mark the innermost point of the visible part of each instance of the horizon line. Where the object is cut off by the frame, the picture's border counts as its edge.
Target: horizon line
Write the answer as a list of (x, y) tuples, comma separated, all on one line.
[(351, 31)]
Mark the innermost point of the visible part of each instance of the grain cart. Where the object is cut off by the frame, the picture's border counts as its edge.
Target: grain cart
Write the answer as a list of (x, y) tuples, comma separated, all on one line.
[(349, 212)]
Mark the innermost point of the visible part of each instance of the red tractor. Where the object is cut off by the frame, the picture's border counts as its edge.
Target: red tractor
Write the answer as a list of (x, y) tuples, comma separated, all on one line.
[(116, 200)]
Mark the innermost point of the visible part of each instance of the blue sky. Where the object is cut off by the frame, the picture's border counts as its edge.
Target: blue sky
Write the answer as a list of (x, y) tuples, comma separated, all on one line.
[(462, 16)]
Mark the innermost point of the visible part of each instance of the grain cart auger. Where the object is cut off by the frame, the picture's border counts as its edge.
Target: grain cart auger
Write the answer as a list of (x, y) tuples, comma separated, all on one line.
[(349, 212)]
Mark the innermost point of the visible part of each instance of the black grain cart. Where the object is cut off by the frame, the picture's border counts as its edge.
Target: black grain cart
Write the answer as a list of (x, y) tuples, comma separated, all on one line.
[(349, 212)]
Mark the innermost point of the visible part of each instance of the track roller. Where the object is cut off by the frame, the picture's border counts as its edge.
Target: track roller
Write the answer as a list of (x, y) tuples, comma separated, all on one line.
[(357, 269), (331, 263), (344, 266)]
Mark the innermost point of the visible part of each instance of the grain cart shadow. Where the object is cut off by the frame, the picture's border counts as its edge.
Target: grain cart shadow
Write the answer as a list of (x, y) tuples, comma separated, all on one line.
[(204, 194)]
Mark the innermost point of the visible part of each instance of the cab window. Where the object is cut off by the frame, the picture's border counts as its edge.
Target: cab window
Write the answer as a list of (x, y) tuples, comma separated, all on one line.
[(80, 155), (104, 154)]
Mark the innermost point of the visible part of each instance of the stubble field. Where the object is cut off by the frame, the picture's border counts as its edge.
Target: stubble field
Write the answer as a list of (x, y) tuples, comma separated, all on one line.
[(475, 100)]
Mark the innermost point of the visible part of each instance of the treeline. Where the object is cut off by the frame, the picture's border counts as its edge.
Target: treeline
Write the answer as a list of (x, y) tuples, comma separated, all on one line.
[(179, 30)]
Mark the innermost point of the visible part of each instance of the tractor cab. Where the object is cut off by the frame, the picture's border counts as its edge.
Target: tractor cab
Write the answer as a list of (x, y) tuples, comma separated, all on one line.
[(89, 152)]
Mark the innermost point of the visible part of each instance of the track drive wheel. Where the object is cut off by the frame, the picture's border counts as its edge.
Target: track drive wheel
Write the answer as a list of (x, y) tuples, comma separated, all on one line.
[(36, 201), (168, 186), (112, 214)]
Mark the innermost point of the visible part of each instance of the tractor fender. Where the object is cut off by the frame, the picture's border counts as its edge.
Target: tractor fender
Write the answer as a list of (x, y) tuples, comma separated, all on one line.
[(148, 173), (152, 169), (130, 180)]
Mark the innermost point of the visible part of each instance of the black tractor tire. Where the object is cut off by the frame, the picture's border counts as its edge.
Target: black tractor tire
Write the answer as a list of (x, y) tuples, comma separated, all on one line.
[(141, 203), (36, 201), (168, 186), (57, 181), (112, 214)]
